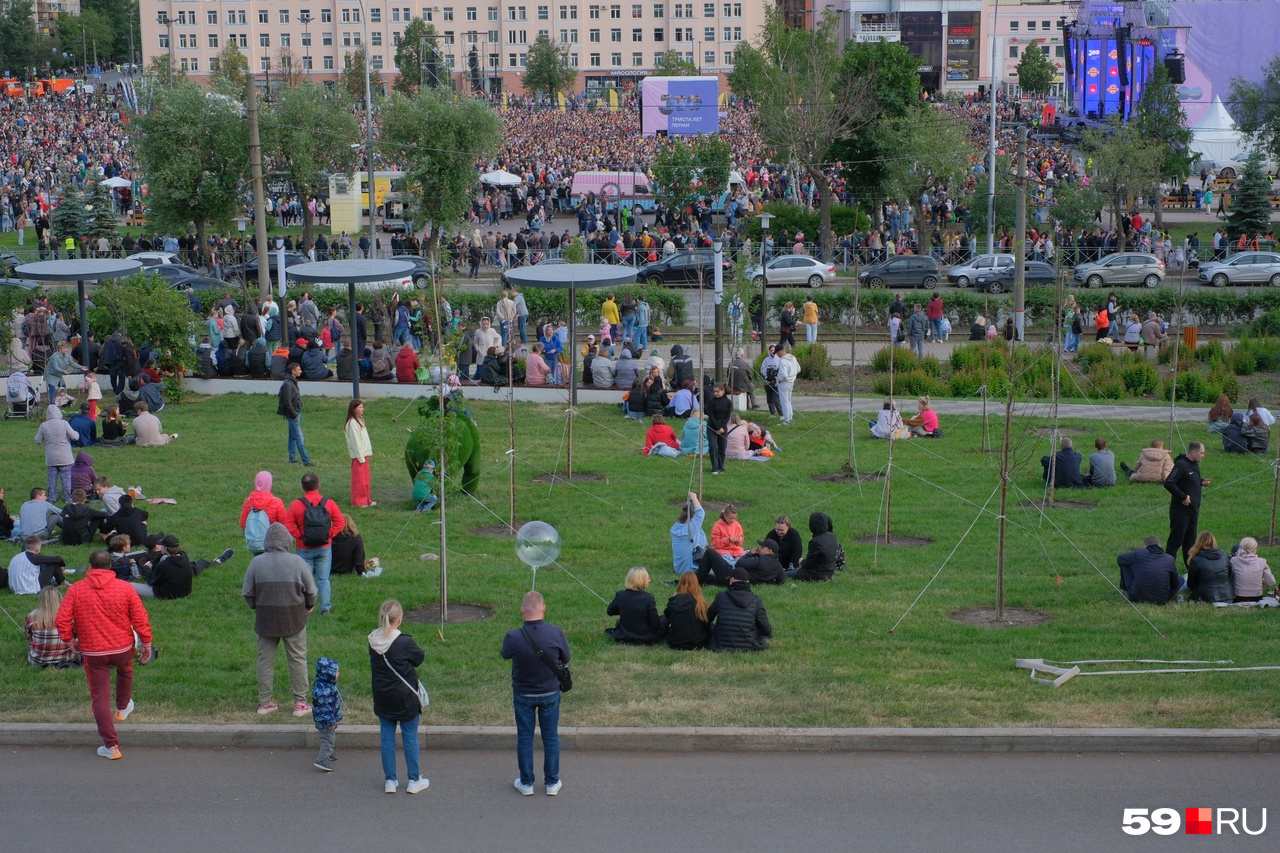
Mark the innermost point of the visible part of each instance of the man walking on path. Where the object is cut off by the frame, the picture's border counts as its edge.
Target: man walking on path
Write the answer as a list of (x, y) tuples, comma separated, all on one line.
[(535, 686), (279, 589), (290, 408), (1184, 484), (99, 616)]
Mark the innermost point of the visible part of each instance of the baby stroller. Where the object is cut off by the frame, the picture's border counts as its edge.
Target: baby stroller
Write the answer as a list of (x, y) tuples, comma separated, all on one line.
[(20, 397)]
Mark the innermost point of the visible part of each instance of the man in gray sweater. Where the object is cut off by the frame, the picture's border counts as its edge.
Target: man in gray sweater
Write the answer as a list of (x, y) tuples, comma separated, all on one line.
[(280, 590)]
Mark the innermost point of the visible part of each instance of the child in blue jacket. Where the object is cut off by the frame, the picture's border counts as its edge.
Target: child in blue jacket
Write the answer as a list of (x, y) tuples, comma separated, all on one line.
[(326, 710)]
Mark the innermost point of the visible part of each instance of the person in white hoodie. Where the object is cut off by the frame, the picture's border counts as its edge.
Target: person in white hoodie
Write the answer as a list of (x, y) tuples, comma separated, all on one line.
[(231, 328), (788, 373), (393, 660)]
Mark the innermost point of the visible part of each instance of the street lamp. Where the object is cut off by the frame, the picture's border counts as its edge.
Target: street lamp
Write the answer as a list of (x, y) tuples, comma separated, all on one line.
[(305, 18), (765, 219), (266, 67), (717, 247), (165, 21), (368, 143)]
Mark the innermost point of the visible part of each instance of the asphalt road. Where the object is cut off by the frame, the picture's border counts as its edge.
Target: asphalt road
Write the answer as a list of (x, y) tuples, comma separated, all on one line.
[(245, 799)]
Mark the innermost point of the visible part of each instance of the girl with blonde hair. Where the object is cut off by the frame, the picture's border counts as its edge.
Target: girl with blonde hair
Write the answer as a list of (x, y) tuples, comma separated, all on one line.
[(44, 646), (394, 659)]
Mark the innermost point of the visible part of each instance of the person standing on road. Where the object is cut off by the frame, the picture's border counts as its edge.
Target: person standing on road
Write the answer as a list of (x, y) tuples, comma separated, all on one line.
[(934, 312), (306, 520), (917, 328), (361, 451), (290, 408), (788, 373), (810, 319), (535, 688), (394, 659), (279, 589), (98, 618), (1184, 485)]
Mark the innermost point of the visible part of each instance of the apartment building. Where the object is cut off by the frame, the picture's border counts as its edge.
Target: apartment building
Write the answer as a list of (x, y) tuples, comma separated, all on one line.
[(944, 35), (611, 44)]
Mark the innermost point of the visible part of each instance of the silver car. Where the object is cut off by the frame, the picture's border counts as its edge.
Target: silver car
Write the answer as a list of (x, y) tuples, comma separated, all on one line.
[(962, 275), (795, 269), (1244, 268), (1122, 269)]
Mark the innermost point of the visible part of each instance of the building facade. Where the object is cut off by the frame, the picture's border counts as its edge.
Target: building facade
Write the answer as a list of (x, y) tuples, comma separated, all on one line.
[(1022, 25), (612, 45), (944, 35)]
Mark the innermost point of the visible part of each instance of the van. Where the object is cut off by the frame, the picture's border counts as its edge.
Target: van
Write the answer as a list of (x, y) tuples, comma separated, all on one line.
[(634, 187)]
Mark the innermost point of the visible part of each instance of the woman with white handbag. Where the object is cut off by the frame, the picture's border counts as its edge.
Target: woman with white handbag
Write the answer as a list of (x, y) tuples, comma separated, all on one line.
[(399, 698)]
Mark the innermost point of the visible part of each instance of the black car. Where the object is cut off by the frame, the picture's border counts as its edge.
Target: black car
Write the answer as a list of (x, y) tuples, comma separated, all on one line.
[(172, 272), (1001, 280), (249, 269), (205, 284), (903, 271), (687, 267), (421, 274)]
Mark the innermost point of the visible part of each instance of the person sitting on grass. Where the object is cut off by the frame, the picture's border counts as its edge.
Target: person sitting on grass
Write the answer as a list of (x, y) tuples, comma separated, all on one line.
[(1149, 574), (1255, 407), (738, 618), (819, 563), (79, 521), (1251, 577), (36, 517), (1208, 570), (1066, 467), (348, 549), (425, 487), (30, 571), (44, 646), (888, 423), (760, 439), (147, 430), (1256, 434), (761, 563), (123, 561), (638, 621), (727, 536), (685, 403), (1153, 465), (1233, 440), (685, 620), (693, 437), (171, 575), (660, 439), (1220, 414), (924, 424), (129, 520), (790, 545), (737, 441), (1102, 465)]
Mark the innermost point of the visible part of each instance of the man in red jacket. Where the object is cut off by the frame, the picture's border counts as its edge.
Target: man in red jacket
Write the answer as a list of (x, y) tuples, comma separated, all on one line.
[(312, 545), (98, 616)]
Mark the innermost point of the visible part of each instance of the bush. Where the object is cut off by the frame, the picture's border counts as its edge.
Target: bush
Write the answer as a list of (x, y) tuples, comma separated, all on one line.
[(1140, 378), (1092, 355), (1219, 381), (1186, 355), (1210, 353), (971, 356), (1265, 352), (965, 383), (918, 383), (1242, 362), (815, 361), (1266, 326), (1191, 388)]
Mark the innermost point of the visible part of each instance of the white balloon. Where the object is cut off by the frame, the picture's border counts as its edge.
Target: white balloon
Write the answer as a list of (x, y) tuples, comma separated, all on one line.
[(537, 544)]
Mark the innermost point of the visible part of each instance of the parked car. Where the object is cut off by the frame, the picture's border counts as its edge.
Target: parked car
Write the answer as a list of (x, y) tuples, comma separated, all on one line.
[(904, 271), (1000, 280), (962, 275), (152, 259), (205, 284), (421, 274), (1244, 268), (545, 262), (172, 272), (249, 269), (687, 267), (1122, 269), (794, 270)]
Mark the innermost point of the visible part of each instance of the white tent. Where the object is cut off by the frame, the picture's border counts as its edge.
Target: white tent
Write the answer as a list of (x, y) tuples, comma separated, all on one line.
[(1215, 137), (501, 178)]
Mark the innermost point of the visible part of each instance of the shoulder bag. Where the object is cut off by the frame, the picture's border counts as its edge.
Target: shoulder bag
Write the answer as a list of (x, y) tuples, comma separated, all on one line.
[(421, 692), (561, 670)]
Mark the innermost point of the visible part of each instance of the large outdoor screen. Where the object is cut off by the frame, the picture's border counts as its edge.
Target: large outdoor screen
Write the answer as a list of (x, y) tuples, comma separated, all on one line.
[(679, 106)]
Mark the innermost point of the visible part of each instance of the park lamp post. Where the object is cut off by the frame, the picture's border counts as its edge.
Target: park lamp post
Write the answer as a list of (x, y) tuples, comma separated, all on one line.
[(165, 21), (305, 20), (765, 219), (717, 246)]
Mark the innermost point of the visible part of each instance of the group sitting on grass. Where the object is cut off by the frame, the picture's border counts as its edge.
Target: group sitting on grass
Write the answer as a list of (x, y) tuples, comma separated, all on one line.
[(1066, 466), (1150, 575), (1242, 432)]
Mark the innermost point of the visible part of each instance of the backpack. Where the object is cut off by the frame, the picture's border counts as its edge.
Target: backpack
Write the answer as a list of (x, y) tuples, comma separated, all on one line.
[(316, 522), (840, 558), (255, 530)]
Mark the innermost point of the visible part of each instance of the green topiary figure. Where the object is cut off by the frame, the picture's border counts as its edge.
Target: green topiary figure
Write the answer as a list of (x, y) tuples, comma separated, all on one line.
[(462, 442)]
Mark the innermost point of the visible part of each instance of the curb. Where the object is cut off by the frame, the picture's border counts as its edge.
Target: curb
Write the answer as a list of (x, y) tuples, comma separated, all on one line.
[(675, 739)]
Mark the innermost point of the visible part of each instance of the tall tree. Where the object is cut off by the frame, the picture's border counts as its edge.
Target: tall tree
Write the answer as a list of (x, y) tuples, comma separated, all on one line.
[(18, 36), (811, 105), (69, 217), (747, 80), (351, 81), (232, 71), (417, 56), (1250, 206), (1035, 71), (99, 209), (672, 64), (193, 147), (439, 136), (547, 69), (1125, 164), (123, 15), (1257, 107), (291, 72), (1160, 118), (685, 173), (84, 34), (308, 131)]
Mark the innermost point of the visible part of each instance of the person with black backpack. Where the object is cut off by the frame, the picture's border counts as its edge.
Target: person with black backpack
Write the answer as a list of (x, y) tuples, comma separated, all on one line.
[(314, 520)]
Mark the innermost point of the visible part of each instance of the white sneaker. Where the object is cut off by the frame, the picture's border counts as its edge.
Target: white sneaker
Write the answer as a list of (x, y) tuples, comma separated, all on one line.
[(122, 714), (391, 786), (552, 790), (527, 790), (416, 785), (113, 752)]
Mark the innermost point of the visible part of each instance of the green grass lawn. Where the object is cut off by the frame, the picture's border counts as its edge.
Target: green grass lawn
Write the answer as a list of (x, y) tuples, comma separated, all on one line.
[(836, 658)]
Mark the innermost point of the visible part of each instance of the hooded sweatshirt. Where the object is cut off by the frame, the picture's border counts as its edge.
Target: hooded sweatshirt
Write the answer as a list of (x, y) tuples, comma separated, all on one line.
[(82, 473), (129, 520), (627, 370), (1249, 575), (56, 435), (262, 498), (392, 699), (278, 587), (681, 366), (326, 700), (1154, 464), (1183, 482), (102, 612), (820, 563)]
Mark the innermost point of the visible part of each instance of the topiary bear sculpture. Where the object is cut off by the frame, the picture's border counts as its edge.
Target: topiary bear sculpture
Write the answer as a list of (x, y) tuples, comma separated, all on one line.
[(462, 442)]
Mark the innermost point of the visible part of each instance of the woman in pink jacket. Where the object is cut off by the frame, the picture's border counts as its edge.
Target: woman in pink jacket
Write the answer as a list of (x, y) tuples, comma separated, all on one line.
[(536, 370)]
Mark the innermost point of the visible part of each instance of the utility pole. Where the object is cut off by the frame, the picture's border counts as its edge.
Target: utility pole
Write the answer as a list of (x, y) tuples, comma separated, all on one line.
[(1019, 238), (259, 200), (991, 142)]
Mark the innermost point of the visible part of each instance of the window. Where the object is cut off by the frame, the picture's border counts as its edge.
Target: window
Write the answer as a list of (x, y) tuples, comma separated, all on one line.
[(524, 60), (306, 63), (326, 16), (708, 10), (637, 60), (594, 60), (262, 16), (1044, 25), (395, 40), (214, 64), (346, 39), (377, 60), (708, 33), (493, 36), (264, 40), (593, 36), (659, 10), (1061, 23), (1059, 51), (1013, 26), (212, 17), (568, 36), (213, 40), (615, 59), (375, 39), (637, 10), (240, 17), (659, 34), (243, 40), (573, 60), (615, 35), (728, 58), (517, 37), (285, 40), (544, 12), (1013, 51), (284, 16), (511, 60), (737, 34), (231, 17), (637, 34), (708, 57), (346, 16), (544, 33), (182, 63), (395, 15), (306, 39), (1031, 26), (182, 40), (448, 14), (615, 11), (472, 14), (1045, 48), (326, 40), (182, 18), (657, 59), (733, 10), (593, 12), (265, 63), (493, 13), (375, 17), (427, 14)]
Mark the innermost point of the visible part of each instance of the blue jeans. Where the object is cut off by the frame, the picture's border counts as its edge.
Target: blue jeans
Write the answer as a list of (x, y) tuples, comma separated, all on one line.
[(402, 335), (297, 450), (936, 325), (521, 321), (547, 708), (408, 739), (321, 561), (1071, 343), (628, 324), (504, 330)]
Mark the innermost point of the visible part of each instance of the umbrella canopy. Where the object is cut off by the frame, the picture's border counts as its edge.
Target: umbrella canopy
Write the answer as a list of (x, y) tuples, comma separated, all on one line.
[(501, 178), (117, 183)]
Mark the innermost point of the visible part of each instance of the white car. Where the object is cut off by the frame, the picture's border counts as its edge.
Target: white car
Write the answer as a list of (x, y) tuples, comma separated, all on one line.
[(794, 269), (154, 259), (962, 275), (1243, 268)]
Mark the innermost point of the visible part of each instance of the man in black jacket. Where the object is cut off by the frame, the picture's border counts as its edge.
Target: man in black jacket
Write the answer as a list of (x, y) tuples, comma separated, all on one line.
[(820, 563), (761, 564), (738, 618), (1149, 574), (130, 521), (290, 408), (1184, 484), (1066, 463)]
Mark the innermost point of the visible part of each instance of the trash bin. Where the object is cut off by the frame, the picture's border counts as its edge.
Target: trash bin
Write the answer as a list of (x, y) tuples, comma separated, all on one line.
[(1189, 335)]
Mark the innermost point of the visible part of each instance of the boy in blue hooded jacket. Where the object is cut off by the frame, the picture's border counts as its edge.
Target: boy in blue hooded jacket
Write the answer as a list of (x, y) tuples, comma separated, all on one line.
[(326, 710)]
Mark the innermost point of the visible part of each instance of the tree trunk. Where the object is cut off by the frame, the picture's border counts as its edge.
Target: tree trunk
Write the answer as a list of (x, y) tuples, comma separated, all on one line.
[(201, 245), (308, 223), (826, 244), (1117, 208)]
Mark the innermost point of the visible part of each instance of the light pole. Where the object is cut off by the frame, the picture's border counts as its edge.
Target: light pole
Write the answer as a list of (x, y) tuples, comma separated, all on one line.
[(368, 142), (266, 68), (305, 18), (991, 130), (165, 21), (718, 248), (765, 219)]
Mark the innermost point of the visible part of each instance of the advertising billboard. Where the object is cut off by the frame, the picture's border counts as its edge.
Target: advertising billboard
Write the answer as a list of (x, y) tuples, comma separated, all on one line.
[(679, 106)]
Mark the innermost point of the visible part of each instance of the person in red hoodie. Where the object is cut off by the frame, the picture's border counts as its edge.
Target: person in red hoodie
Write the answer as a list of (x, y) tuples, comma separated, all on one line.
[(407, 364), (317, 551), (272, 508), (660, 439), (98, 617)]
